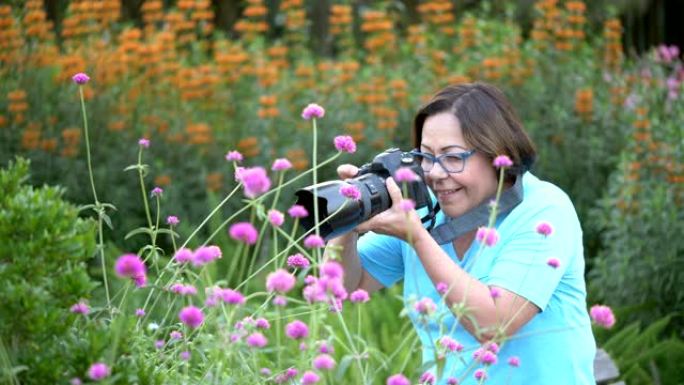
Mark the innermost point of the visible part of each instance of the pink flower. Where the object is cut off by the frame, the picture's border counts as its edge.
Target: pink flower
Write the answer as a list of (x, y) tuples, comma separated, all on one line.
[(158, 344), (332, 269), (442, 287), (492, 347), (280, 281), (75, 381), (514, 361), (553, 262), (450, 344), (80, 308), (184, 355), (488, 358), (544, 228), (313, 241), (172, 220), (495, 292), (350, 191), (602, 315), (359, 296), (452, 381), (407, 205), (309, 378), (157, 192), (191, 316), (325, 348), (297, 330), (398, 379), (262, 323), (427, 378), (297, 211), (255, 181), (345, 143), (245, 232), (276, 217), (131, 266), (98, 371), (281, 164), (144, 143), (502, 161), (256, 340), (232, 297), (324, 362), (298, 261), (313, 110), (480, 374), (234, 156), (206, 254), (80, 78), (405, 174), (183, 255), (139, 312), (175, 335), (488, 236), (425, 306), (279, 300)]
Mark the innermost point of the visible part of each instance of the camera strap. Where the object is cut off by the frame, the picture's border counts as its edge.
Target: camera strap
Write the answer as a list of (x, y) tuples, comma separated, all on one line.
[(453, 228)]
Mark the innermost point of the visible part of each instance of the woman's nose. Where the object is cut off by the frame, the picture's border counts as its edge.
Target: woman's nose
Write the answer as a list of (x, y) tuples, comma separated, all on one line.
[(437, 172)]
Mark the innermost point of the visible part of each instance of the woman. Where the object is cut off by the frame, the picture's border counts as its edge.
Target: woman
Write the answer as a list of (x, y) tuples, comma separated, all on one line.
[(526, 292)]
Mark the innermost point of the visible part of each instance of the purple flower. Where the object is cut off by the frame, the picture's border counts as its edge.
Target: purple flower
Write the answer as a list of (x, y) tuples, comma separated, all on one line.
[(139, 312), (514, 361), (602, 315), (442, 287), (398, 379), (488, 236), (280, 281), (502, 161), (255, 181), (405, 174), (175, 335), (297, 211), (158, 344), (494, 292), (245, 232), (324, 362), (265, 371), (234, 156), (313, 110), (276, 217), (350, 191), (297, 330), (345, 143), (309, 378), (144, 143), (262, 323), (75, 381), (281, 164), (332, 269), (427, 378), (325, 348), (98, 371), (191, 316), (407, 205), (184, 355), (359, 296), (544, 228), (172, 220), (450, 344), (80, 308), (183, 255), (131, 266), (206, 254), (480, 374), (298, 261), (156, 192), (553, 262), (452, 381), (256, 340), (80, 78), (488, 358), (425, 306), (313, 241), (279, 300), (232, 297)]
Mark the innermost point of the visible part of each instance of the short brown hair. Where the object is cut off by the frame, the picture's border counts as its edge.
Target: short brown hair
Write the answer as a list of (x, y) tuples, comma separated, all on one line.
[(487, 119)]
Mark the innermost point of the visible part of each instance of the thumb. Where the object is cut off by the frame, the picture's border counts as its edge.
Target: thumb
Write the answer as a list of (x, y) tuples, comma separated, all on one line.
[(393, 190)]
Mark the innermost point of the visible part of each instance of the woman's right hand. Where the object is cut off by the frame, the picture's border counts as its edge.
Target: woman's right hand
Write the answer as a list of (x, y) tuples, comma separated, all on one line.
[(347, 171)]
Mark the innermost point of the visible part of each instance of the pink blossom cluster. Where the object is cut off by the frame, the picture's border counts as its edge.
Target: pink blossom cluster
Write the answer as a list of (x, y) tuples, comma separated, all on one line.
[(131, 266), (182, 289), (280, 281), (488, 236), (297, 211), (298, 261), (502, 161), (398, 379), (425, 306), (285, 376), (450, 344), (228, 296), (314, 241), (350, 191), (276, 218), (427, 378), (255, 180), (244, 232), (668, 53), (345, 143), (200, 257), (191, 316), (602, 315), (329, 287)]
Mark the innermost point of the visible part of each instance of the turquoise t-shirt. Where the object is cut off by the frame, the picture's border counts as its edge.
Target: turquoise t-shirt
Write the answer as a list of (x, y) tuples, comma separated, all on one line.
[(557, 345)]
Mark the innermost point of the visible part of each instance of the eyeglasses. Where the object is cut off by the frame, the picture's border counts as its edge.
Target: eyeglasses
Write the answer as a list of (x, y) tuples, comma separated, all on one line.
[(452, 163)]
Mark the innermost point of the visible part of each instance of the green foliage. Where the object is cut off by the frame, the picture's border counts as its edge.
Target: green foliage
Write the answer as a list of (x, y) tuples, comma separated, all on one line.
[(42, 270)]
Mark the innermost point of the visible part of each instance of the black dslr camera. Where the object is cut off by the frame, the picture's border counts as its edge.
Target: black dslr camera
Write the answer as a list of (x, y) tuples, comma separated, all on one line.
[(374, 195)]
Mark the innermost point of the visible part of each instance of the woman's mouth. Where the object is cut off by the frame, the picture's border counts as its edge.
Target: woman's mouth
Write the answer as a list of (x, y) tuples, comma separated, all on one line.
[(446, 194)]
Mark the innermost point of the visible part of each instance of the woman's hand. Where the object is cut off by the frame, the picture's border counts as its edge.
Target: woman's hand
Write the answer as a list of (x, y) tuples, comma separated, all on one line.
[(393, 221)]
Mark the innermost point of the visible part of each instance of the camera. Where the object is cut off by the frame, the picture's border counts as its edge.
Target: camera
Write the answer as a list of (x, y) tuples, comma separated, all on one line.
[(374, 195)]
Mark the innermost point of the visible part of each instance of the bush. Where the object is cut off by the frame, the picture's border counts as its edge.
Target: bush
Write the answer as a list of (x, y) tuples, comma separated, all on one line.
[(42, 270)]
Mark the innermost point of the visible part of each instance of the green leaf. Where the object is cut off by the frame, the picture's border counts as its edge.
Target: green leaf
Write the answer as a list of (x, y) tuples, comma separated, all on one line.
[(343, 366), (139, 230)]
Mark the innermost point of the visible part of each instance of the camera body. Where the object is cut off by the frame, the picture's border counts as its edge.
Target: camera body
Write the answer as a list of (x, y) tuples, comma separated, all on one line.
[(338, 215)]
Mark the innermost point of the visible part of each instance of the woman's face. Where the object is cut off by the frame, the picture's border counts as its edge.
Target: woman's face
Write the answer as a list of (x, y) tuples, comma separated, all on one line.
[(456, 192)]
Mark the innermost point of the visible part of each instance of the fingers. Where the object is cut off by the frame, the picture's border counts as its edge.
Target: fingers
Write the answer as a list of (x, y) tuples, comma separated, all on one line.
[(394, 190), (347, 171)]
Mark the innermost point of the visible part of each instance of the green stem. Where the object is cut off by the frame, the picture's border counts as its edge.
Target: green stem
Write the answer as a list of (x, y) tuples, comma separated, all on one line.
[(142, 188), (315, 182)]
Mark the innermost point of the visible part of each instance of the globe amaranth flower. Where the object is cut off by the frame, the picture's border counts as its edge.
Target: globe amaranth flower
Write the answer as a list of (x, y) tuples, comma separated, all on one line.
[(256, 340), (298, 261), (276, 217), (191, 316), (80, 78), (297, 211), (279, 300), (232, 297), (494, 292), (297, 330), (332, 269), (254, 180), (406, 205), (280, 281), (175, 335), (452, 381), (80, 308), (158, 344), (398, 379), (405, 174), (450, 344), (553, 262), (281, 164), (345, 143), (487, 235), (144, 143), (514, 361), (427, 378), (502, 161), (359, 296), (131, 266), (324, 362), (313, 241), (206, 254), (480, 374), (244, 232), (184, 355), (98, 371), (602, 315), (425, 306), (157, 192), (234, 156), (313, 110), (172, 220), (262, 323), (309, 378), (139, 312), (442, 287), (350, 191), (544, 228), (183, 255)]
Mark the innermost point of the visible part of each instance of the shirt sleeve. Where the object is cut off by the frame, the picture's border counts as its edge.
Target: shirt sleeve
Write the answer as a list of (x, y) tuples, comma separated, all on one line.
[(381, 256), (532, 265)]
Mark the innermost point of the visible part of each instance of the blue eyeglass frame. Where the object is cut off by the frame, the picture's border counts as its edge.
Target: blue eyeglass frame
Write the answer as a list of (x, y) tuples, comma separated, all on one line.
[(438, 159)]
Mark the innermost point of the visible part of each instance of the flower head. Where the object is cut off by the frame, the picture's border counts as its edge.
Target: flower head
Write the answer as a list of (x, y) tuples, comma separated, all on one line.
[(407, 204), (281, 164), (157, 192), (553, 262), (602, 315), (350, 191), (80, 308), (502, 161), (183, 255), (514, 361), (494, 292), (206, 254), (234, 156), (276, 217), (309, 378), (345, 143), (544, 228), (398, 379), (405, 174), (139, 312), (280, 281), (191, 316), (323, 362), (427, 378), (425, 306), (80, 78), (131, 266), (332, 270), (450, 344), (144, 143), (262, 323), (245, 232), (172, 220), (480, 374), (255, 181), (158, 344), (297, 330), (314, 241), (98, 371), (488, 236), (359, 296), (279, 300), (256, 340), (298, 261), (313, 110), (184, 355), (297, 211), (442, 287), (232, 297)]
